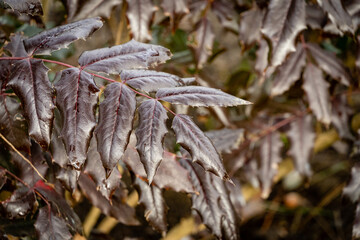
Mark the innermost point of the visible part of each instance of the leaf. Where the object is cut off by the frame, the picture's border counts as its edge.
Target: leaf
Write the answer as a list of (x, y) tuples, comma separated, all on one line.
[(202, 151), (131, 55), (30, 82), (352, 190), (50, 226), (250, 25), (329, 63), (76, 98), (32, 7), (270, 148), (150, 134), (317, 91), (59, 203), (12, 124), (262, 54), (356, 225), (151, 81), (155, 208), (198, 96), (20, 204), (140, 13), (289, 72), (315, 16), (302, 138), (224, 10), (175, 9), (90, 8), (106, 183), (337, 14), (204, 42), (225, 140), (212, 202), (60, 37), (116, 116), (68, 177), (57, 147), (122, 212), (169, 174), (283, 21), (340, 116)]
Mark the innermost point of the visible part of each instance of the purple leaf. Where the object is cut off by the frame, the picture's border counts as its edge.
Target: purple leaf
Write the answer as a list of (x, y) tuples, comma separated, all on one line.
[(225, 140), (316, 89), (32, 7), (77, 96), (201, 148), (68, 177), (262, 54), (155, 208), (250, 25), (315, 16), (57, 147), (175, 9), (116, 116), (352, 190), (122, 212), (270, 157), (150, 81), (140, 13), (340, 116), (20, 204), (212, 202), (302, 138), (289, 72), (50, 226), (60, 37), (283, 21), (204, 42), (150, 134), (198, 96), (131, 55), (329, 63)]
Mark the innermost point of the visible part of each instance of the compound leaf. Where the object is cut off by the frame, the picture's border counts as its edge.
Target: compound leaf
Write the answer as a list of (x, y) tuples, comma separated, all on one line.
[(283, 21), (131, 55), (32, 7), (201, 148), (140, 13), (150, 134), (198, 96), (77, 96), (155, 208), (116, 114), (50, 226), (316, 89), (289, 72), (60, 37), (212, 202), (150, 81), (302, 138)]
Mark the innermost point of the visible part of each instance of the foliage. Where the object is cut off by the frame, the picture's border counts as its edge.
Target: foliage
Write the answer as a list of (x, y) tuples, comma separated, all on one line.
[(90, 120)]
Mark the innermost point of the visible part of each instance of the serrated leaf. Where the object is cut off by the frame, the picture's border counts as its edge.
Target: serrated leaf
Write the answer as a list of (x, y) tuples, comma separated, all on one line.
[(316, 89), (270, 148), (106, 182), (204, 42), (352, 190), (150, 134), (122, 212), (20, 204), (212, 202), (289, 72), (302, 138), (198, 96), (140, 13), (50, 226), (116, 114), (76, 98), (225, 140), (155, 208), (337, 14), (201, 148), (169, 174), (32, 7), (283, 21), (90, 8), (329, 63), (150, 81), (57, 147), (60, 37), (250, 25), (131, 55)]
